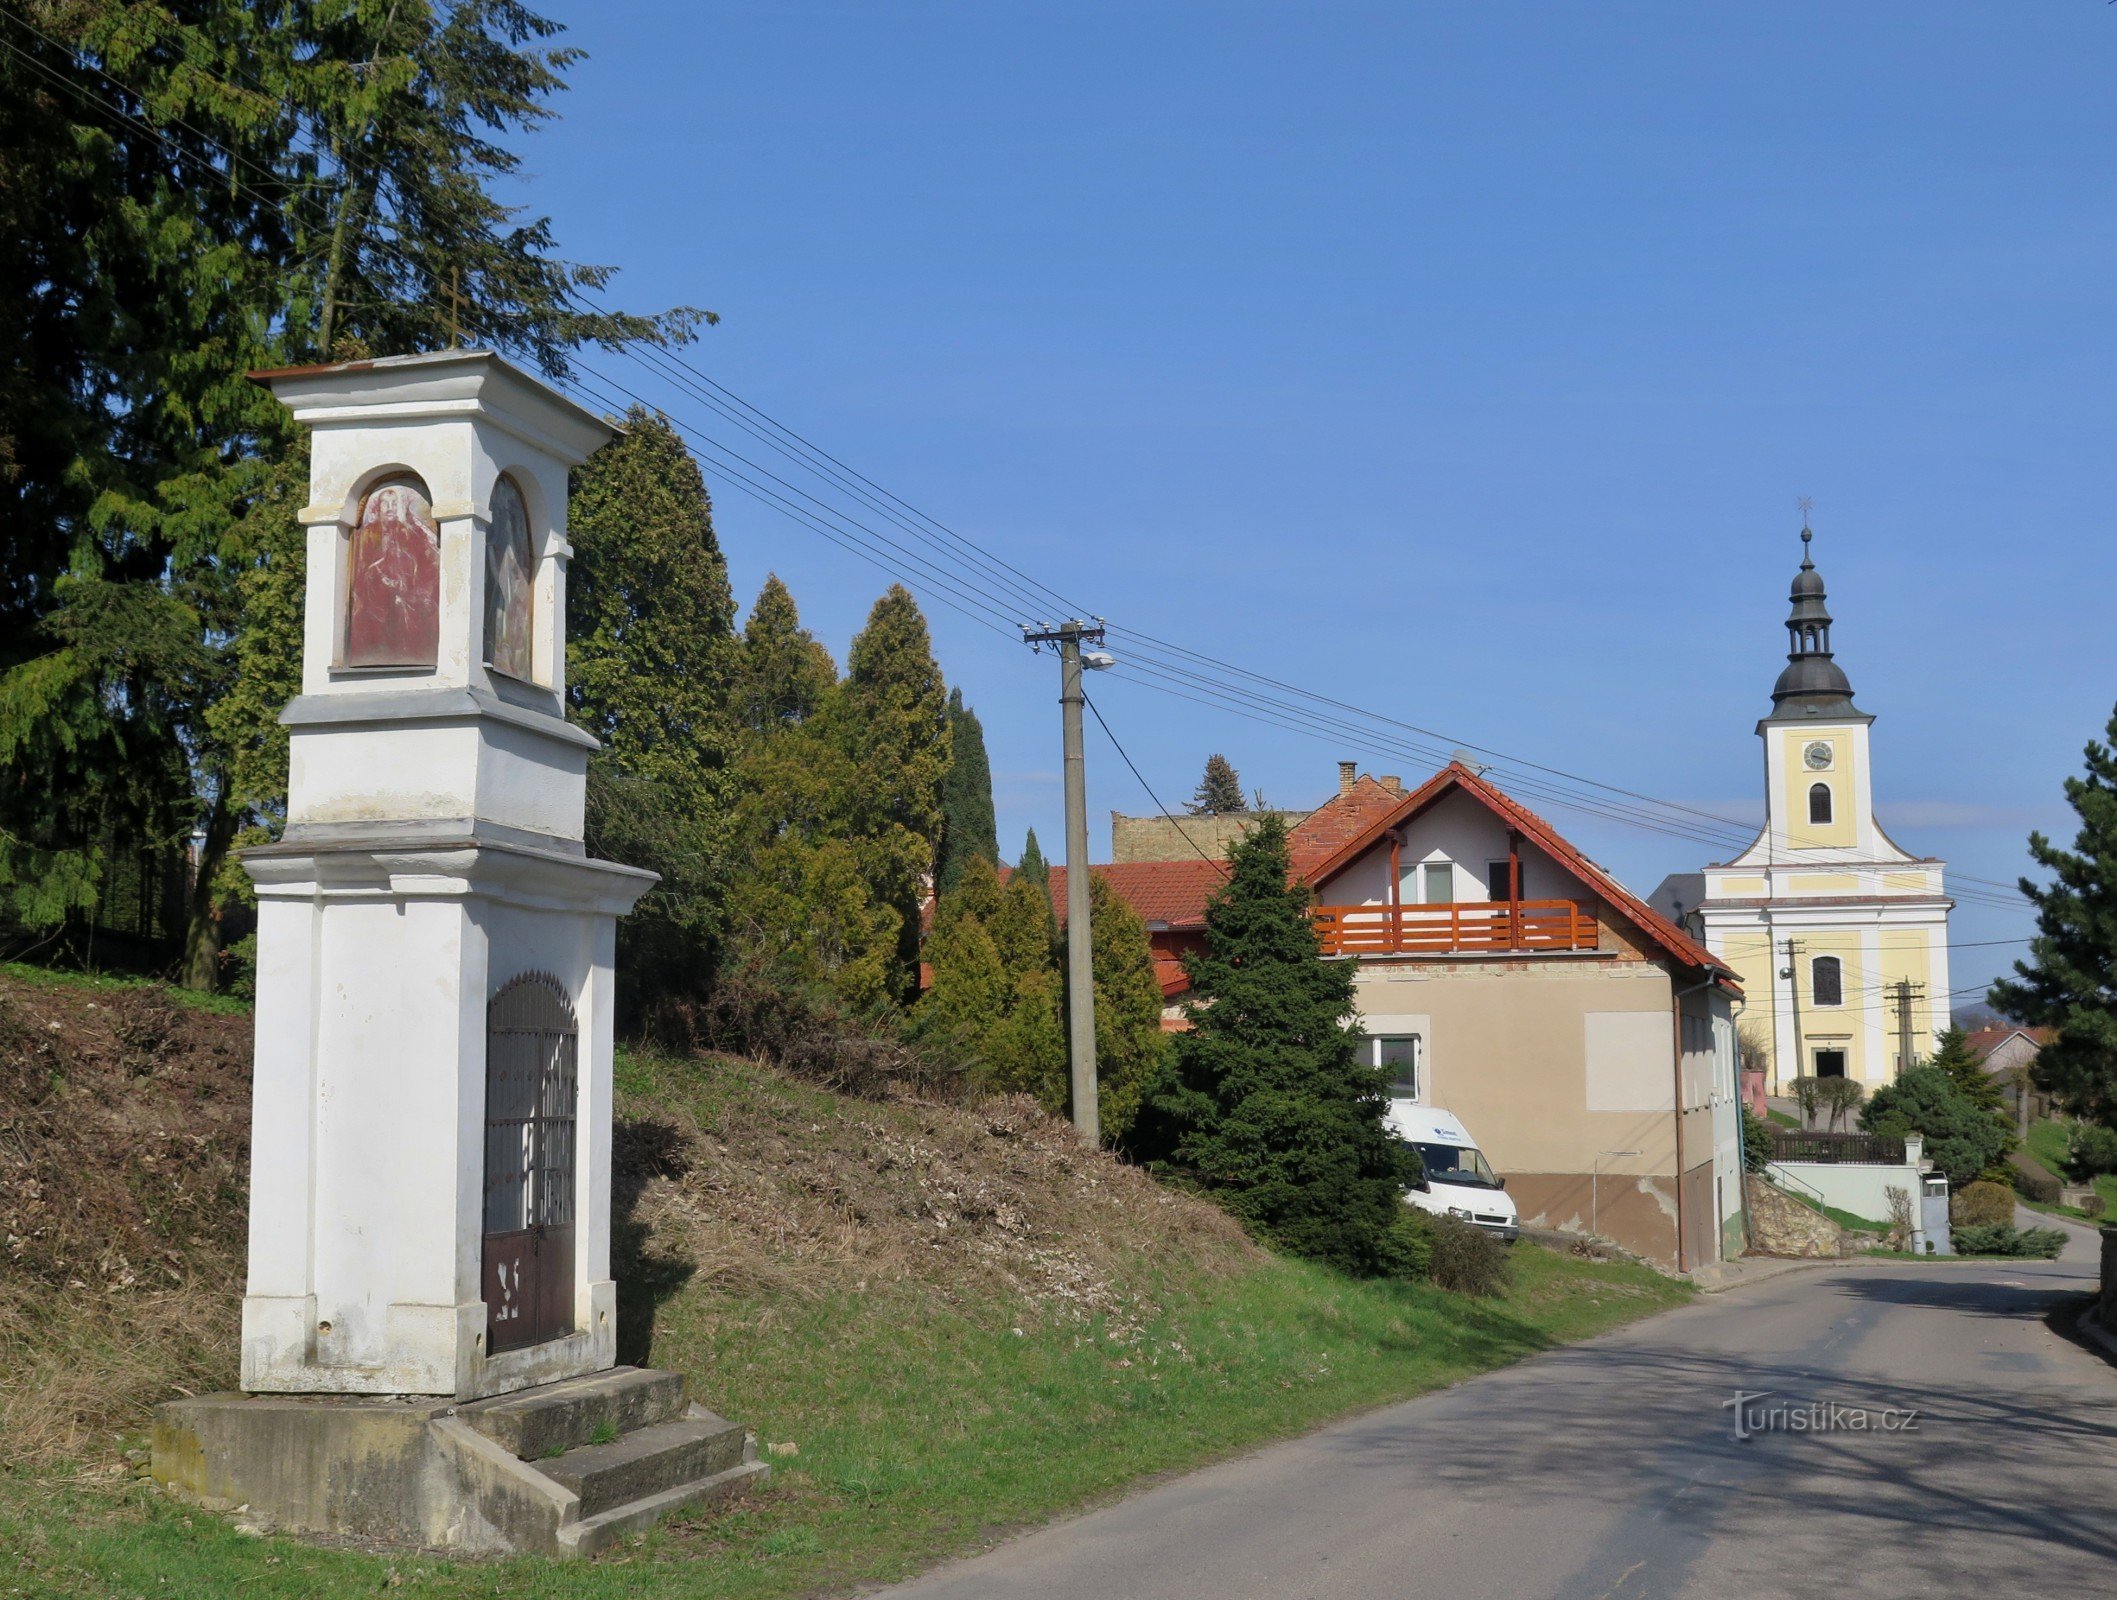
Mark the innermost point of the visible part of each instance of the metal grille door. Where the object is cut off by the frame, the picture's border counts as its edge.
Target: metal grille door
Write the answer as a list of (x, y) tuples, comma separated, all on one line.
[(531, 1078)]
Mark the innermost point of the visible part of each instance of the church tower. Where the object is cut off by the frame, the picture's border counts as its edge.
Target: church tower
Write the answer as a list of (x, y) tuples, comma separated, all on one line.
[(1840, 935)]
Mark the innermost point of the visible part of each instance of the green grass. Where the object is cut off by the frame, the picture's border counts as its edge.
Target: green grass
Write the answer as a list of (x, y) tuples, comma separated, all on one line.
[(222, 1005), (1784, 1119), (918, 1429), (2047, 1143), (1844, 1219)]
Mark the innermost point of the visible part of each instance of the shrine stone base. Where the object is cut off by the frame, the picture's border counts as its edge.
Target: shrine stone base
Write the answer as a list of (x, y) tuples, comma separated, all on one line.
[(558, 1470)]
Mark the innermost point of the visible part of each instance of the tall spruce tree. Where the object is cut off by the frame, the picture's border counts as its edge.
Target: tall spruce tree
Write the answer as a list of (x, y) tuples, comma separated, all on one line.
[(893, 722), (1219, 792), (651, 671), (217, 241), (2069, 980), (1954, 1056), (1270, 1105), (786, 675), (968, 829)]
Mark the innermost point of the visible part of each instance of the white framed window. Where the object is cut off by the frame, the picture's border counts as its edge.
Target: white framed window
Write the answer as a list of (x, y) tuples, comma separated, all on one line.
[(1437, 883), (1404, 1055)]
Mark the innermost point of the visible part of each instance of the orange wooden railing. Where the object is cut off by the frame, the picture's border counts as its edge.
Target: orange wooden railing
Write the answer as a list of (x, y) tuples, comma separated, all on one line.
[(1466, 926)]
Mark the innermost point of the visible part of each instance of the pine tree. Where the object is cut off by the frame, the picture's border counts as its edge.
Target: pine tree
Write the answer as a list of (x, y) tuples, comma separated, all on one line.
[(652, 662), (893, 722), (1962, 1140), (1955, 1057), (1032, 865), (968, 829), (1271, 1105), (1219, 792), (1129, 1041), (2069, 980), (213, 241), (786, 675)]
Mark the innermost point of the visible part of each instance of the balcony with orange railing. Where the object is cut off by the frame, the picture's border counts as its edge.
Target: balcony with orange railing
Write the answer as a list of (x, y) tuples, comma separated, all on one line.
[(1467, 927)]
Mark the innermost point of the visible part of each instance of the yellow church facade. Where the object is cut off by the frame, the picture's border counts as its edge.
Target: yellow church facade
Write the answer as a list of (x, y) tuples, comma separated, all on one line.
[(1839, 934)]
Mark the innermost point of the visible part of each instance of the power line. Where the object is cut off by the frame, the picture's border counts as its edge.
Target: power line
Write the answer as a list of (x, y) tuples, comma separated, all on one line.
[(1115, 744), (988, 589)]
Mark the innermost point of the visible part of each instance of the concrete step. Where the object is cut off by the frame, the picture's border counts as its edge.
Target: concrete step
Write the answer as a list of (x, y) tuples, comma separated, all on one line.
[(647, 1462), (556, 1417), (591, 1534)]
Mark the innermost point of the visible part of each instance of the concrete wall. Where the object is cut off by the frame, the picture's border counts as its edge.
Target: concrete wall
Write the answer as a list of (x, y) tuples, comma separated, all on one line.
[(1852, 1186)]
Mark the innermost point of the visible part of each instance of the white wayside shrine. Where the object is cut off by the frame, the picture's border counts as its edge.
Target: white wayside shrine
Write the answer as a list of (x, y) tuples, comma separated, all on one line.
[(431, 1127)]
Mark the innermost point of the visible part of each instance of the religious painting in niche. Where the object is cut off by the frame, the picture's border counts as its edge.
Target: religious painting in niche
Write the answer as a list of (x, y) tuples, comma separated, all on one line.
[(510, 569), (393, 580)]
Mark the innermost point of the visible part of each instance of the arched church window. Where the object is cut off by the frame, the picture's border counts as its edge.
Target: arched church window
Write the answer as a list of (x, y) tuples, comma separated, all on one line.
[(393, 579), (1819, 802), (510, 573), (1826, 981)]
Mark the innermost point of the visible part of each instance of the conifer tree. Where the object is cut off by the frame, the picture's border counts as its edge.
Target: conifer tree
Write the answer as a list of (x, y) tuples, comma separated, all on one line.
[(214, 241), (652, 663), (1219, 792), (971, 993), (968, 830), (786, 676), (2069, 979), (1955, 1057), (893, 722), (1032, 865), (1270, 1105), (1028, 1049), (1023, 927), (1129, 1041)]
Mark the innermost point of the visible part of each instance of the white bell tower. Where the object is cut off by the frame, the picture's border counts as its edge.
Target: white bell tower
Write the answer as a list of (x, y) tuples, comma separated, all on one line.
[(430, 1191)]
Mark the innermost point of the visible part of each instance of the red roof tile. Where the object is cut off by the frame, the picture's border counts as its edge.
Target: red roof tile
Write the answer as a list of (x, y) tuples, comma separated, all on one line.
[(1169, 892)]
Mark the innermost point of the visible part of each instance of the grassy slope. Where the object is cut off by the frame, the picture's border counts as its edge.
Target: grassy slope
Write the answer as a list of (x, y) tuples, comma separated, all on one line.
[(2047, 1143), (958, 1322)]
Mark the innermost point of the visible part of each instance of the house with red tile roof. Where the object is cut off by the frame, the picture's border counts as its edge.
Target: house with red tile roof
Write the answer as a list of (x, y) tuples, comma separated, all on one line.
[(1583, 1038)]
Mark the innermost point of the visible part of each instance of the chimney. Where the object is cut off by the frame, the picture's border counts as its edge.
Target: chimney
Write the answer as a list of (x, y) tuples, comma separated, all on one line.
[(1393, 784), (1348, 773)]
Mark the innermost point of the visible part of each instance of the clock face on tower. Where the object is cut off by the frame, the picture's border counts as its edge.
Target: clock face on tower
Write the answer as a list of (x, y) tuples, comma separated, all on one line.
[(1817, 754)]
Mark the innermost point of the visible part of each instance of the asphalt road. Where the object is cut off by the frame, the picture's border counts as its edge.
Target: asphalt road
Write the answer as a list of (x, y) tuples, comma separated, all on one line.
[(1612, 1469)]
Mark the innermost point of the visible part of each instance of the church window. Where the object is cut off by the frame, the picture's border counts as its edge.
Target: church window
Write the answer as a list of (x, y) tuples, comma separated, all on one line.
[(510, 571), (393, 580), (1819, 809), (1827, 981)]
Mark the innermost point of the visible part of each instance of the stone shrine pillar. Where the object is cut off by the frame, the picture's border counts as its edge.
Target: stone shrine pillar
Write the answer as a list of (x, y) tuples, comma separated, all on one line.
[(430, 1330), (430, 1181)]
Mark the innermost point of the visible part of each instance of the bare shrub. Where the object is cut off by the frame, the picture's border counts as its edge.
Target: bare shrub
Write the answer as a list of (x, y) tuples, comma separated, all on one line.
[(1982, 1205), (1468, 1260)]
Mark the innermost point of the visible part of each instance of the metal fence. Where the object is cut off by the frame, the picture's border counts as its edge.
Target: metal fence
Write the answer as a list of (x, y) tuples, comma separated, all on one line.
[(1798, 1144)]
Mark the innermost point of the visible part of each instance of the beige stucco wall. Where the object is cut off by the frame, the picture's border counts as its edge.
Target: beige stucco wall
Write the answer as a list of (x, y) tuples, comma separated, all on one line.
[(1183, 838), (1507, 1051)]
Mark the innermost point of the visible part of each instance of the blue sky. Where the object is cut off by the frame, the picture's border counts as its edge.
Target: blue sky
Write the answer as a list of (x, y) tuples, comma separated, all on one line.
[(1463, 361)]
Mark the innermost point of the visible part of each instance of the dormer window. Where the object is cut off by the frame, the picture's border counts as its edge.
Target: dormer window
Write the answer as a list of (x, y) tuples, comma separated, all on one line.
[(510, 577), (1819, 808), (393, 579)]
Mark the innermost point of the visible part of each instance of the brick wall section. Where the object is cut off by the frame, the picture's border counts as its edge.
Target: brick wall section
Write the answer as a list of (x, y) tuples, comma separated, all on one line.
[(1183, 838)]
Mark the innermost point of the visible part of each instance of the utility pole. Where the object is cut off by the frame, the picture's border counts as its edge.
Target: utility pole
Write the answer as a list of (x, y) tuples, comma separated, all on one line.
[(1080, 952), (1906, 992), (1792, 974)]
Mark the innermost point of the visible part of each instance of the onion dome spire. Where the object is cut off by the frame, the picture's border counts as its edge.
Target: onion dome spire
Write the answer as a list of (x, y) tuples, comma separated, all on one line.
[(1813, 685)]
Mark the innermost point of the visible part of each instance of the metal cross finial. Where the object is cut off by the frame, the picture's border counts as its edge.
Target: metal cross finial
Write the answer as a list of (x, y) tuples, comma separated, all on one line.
[(1807, 505)]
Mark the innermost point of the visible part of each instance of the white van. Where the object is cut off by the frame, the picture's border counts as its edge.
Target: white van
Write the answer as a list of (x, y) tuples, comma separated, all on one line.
[(1459, 1180)]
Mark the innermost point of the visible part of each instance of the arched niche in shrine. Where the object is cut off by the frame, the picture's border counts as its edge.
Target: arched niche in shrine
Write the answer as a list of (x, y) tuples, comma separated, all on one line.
[(510, 584), (393, 578)]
